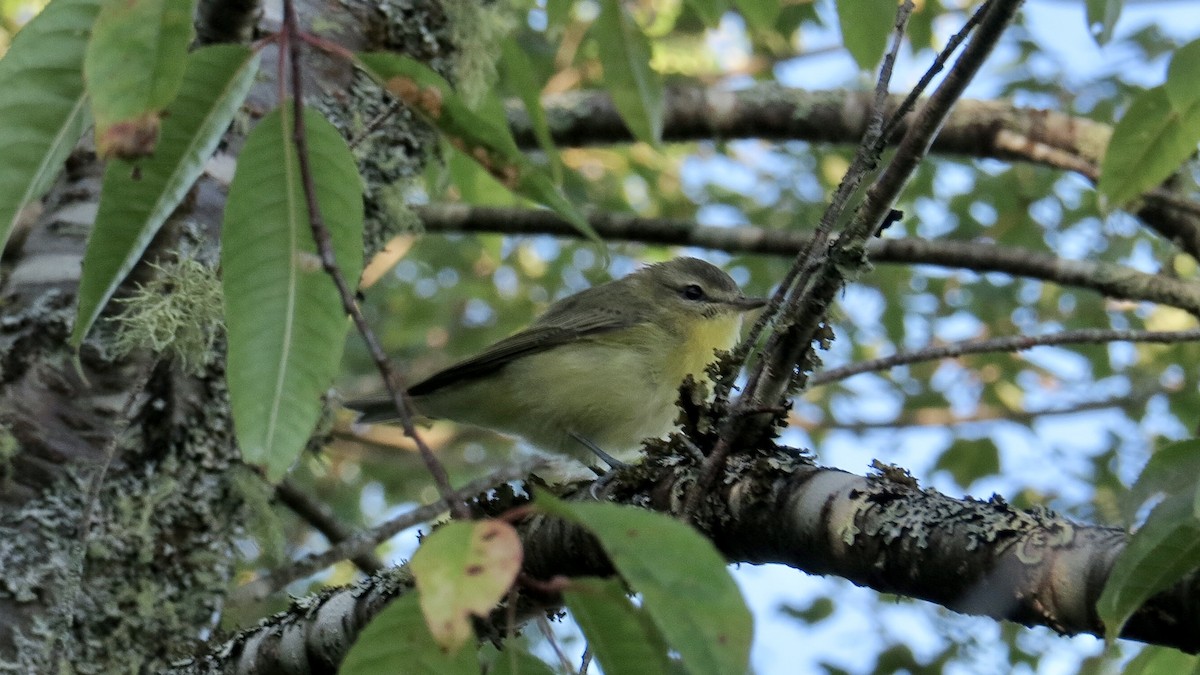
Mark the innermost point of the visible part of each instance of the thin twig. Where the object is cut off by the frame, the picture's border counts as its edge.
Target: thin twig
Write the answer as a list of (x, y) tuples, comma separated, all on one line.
[(943, 57), (318, 514), (321, 235), (922, 418), (366, 541), (1014, 343), (797, 286)]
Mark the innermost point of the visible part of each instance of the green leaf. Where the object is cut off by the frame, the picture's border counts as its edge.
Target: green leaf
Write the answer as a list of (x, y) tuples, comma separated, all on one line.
[(1102, 16), (1173, 469), (517, 73), (514, 662), (709, 11), (1183, 77), (463, 570), (397, 641), (969, 460), (43, 111), (759, 14), (1161, 661), (866, 26), (490, 145), (1166, 548), (622, 635), (133, 67), (685, 587), (1150, 143), (137, 198), (283, 314), (636, 89)]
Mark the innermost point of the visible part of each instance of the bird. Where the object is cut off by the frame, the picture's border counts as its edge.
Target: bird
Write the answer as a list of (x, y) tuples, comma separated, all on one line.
[(599, 371)]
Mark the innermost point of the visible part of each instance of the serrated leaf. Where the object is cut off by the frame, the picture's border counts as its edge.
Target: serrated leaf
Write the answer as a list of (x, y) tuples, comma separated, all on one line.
[(284, 318), (397, 641), (463, 570), (517, 73), (684, 584), (709, 11), (1102, 17), (138, 197), (1173, 469), (635, 87), (1166, 548), (759, 14), (43, 111), (133, 68), (1150, 143), (620, 634), (1183, 77), (490, 145), (866, 26)]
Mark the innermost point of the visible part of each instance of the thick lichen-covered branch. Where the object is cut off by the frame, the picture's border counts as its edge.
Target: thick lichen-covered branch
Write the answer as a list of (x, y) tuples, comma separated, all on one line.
[(773, 505)]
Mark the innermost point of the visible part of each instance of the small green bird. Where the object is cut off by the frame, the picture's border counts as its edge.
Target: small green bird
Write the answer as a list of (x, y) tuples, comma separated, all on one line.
[(603, 365)]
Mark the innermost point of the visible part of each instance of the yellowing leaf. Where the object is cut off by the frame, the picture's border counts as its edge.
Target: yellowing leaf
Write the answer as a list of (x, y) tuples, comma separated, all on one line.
[(462, 570)]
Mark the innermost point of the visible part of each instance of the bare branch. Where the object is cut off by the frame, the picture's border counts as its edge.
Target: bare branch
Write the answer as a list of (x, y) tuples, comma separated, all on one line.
[(974, 128), (318, 514), (1014, 343)]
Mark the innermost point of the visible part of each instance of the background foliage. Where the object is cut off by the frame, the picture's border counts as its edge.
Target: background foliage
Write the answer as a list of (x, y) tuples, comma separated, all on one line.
[(1065, 428)]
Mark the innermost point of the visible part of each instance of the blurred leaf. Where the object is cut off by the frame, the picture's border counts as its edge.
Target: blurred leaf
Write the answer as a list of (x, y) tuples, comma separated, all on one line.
[(513, 661), (1166, 548), (684, 584), (818, 610), (285, 321), (398, 641), (636, 89), (133, 67), (970, 460), (622, 635), (866, 26), (1102, 16), (1172, 470), (1148, 145), (489, 144), (137, 198), (1183, 77), (709, 11), (43, 110), (759, 14), (1161, 661), (517, 73), (462, 570)]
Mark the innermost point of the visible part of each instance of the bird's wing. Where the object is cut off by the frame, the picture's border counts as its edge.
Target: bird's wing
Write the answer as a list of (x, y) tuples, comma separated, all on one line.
[(551, 330)]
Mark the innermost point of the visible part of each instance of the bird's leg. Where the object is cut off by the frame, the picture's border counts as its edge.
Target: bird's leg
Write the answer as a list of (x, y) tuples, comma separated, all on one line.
[(612, 462)]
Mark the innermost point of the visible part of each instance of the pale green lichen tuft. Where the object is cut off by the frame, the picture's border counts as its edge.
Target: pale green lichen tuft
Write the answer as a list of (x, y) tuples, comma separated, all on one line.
[(177, 315), (476, 30)]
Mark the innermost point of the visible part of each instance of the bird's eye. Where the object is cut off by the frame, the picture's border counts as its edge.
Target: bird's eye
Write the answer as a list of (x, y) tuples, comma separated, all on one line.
[(693, 292)]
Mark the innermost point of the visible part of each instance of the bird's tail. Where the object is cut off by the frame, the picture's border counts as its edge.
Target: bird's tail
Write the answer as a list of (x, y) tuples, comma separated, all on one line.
[(375, 409)]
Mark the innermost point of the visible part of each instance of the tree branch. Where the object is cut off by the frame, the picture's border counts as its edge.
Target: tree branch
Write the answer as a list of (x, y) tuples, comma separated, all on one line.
[(882, 531), (1108, 279), (974, 128), (1014, 343)]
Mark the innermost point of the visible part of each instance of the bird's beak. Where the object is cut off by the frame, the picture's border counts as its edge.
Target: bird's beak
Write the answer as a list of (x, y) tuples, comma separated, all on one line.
[(746, 304)]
